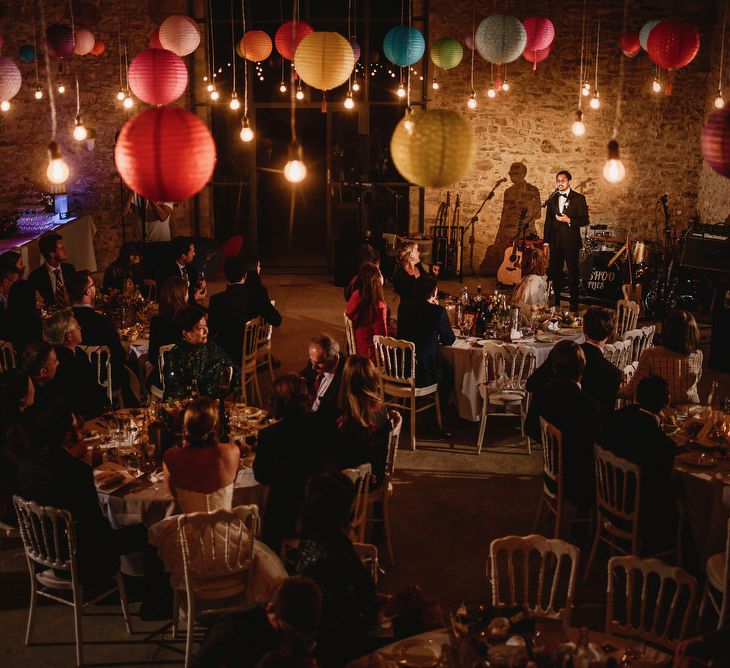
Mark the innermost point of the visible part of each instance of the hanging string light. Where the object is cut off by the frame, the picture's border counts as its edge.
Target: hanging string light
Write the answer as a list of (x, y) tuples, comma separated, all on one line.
[(656, 84), (247, 134), (471, 102), (38, 89), (578, 128), (120, 93), (214, 94), (719, 100), (492, 92), (300, 93), (595, 101), (282, 85), (614, 170), (128, 101), (355, 86), (80, 132), (349, 103), (295, 171), (235, 103), (505, 85)]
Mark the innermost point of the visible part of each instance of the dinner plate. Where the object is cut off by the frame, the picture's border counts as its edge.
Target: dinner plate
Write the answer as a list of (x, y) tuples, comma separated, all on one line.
[(569, 331), (418, 653), (548, 337), (699, 459)]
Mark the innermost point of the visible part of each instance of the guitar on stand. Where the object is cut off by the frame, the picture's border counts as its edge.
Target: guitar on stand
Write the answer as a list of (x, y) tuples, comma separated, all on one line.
[(660, 298), (456, 238), (473, 220), (510, 271)]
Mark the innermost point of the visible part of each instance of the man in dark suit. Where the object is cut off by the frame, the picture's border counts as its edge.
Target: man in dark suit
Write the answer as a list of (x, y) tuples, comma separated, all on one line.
[(41, 364), (51, 278), (183, 253), (324, 375), (565, 214), (601, 378), (635, 434), (230, 310)]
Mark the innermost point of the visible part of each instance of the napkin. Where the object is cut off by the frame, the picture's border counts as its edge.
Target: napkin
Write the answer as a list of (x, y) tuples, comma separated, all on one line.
[(550, 326), (515, 334)]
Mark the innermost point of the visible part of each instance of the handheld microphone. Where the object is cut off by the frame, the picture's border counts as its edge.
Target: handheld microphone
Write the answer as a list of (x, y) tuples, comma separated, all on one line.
[(502, 180)]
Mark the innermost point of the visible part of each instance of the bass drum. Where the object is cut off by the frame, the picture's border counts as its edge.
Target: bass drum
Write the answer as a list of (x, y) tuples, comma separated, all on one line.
[(600, 281)]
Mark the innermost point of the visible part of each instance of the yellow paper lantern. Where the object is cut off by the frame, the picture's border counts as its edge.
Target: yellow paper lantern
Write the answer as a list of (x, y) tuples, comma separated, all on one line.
[(433, 148), (324, 60)]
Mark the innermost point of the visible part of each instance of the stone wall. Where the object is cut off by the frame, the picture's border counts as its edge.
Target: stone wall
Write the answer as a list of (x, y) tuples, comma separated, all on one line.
[(530, 124), (94, 185)]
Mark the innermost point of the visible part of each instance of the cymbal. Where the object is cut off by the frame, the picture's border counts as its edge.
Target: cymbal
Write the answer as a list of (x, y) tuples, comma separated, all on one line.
[(606, 238)]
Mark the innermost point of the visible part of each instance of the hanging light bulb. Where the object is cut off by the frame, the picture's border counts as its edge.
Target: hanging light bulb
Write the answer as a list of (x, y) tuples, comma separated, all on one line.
[(300, 93), (61, 88), (128, 102), (435, 84), (472, 101), (578, 128), (656, 85), (210, 87), (282, 87), (401, 92), (595, 102), (505, 86), (80, 132), (121, 95), (408, 122), (349, 102), (586, 90), (214, 95), (38, 93), (614, 170), (355, 86), (235, 103), (246, 131), (57, 171), (719, 101), (491, 92), (4, 105), (295, 170)]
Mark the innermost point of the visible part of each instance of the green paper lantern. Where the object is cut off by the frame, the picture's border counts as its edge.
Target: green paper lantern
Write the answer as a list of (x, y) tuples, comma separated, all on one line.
[(447, 53)]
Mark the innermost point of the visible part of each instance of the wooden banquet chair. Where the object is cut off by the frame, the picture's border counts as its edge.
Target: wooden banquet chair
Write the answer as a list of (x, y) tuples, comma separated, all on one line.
[(360, 477), (264, 346), (396, 365), (101, 358), (552, 475), (350, 336), (718, 582), (534, 572), (649, 600), (632, 343), (615, 353), (7, 356), (217, 554), (634, 293), (49, 541), (254, 332), (627, 315)]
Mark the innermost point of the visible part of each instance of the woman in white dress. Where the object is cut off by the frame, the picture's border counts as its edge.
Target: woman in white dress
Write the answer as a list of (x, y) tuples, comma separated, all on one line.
[(533, 289), (200, 475)]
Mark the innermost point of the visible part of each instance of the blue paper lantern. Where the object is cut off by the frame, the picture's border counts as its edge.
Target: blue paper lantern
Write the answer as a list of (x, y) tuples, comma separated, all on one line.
[(645, 32), (404, 46), (26, 53), (500, 38)]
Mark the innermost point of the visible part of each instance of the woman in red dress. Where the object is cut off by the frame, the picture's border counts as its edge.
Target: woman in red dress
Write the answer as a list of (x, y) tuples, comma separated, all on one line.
[(367, 310)]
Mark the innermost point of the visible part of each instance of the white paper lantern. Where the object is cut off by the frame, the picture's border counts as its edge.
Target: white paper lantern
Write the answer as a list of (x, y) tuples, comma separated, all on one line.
[(10, 79), (179, 34)]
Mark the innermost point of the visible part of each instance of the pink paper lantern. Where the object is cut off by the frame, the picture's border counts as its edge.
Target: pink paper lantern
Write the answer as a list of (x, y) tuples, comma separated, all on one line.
[(630, 43), (469, 42), (355, 49), (158, 76), (540, 33), (165, 154), (10, 79), (179, 34), (673, 44), (155, 40), (85, 41), (60, 40), (289, 35), (536, 57), (715, 141)]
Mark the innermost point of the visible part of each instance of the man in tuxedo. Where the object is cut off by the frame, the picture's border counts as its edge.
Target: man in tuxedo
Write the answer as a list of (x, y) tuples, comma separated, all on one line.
[(51, 278), (601, 378), (324, 375), (565, 214), (231, 309), (183, 252)]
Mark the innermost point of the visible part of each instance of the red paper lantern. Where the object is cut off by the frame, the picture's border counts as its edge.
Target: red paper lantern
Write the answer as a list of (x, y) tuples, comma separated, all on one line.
[(60, 40), (165, 154), (155, 40), (630, 43), (255, 46), (536, 57), (715, 141), (99, 48), (673, 44), (157, 76), (540, 33), (289, 35)]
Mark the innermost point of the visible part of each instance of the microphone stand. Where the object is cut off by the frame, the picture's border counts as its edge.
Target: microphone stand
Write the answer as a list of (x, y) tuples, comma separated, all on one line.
[(474, 219)]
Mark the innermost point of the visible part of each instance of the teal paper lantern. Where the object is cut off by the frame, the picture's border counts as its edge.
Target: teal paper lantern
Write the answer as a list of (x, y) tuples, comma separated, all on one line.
[(500, 38), (26, 53), (645, 32), (404, 46), (447, 53)]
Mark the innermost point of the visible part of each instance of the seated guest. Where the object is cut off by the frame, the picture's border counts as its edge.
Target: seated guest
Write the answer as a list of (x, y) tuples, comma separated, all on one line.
[(289, 453), (163, 330), (76, 377), (50, 278), (565, 405), (635, 434), (8, 276), (183, 253), (363, 425), (13, 260), (349, 601), (532, 290), (23, 324), (366, 255), (124, 275), (367, 310), (408, 273), (323, 375), (40, 362), (196, 363), (424, 322), (678, 360), (229, 311), (288, 622), (97, 329)]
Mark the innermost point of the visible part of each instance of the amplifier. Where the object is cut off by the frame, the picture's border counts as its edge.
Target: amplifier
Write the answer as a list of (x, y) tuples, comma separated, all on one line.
[(707, 247)]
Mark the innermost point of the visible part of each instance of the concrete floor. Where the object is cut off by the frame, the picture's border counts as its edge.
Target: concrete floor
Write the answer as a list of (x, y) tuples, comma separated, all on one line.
[(447, 507)]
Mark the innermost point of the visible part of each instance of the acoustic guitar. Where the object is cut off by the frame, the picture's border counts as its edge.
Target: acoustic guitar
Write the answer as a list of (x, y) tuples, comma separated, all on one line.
[(510, 271)]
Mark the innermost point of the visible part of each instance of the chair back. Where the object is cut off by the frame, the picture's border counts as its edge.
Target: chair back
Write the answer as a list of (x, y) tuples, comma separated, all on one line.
[(618, 492), (647, 340), (48, 534), (7, 356), (101, 358), (252, 336), (217, 546), (632, 343), (614, 353), (507, 367), (150, 289), (161, 360), (368, 556), (552, 460), (396, 421), (395, 360), (360, 477), (350, 336), (649, 600), (627, 315), (535, 572)]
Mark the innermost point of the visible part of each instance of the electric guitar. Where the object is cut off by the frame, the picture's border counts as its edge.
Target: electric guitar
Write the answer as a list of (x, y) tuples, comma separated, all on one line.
[(510, 271)]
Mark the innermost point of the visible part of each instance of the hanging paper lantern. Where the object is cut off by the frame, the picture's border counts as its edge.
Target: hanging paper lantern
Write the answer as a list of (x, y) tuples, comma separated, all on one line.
[(289, 35), (157, 76), (447, 53), (26, 53), (433, 148), (540, 33), (155, 40), (179, 34), (255, 46), (404, 46), (673, 44), (630, 44), (324, 60), (645, 32), (536, 57), (469, 42), (355, 49), (99, 48), (60, 40), (715, 141), (10, 79), (500, 39), (85, 41), (154, 144)]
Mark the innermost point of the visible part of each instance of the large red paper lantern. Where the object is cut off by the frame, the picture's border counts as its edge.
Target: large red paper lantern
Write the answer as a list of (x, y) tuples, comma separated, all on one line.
[(536, 57), (157, 76), (540, 33), (630, 43), (99, 48), (165, 154), (673, 44), (715, 142), (60, 40), (155, 40), (85, 41), (255, 46), (289, 35)]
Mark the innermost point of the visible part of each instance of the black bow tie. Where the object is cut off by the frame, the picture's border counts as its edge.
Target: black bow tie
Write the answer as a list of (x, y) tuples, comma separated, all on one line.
[(563, 195)]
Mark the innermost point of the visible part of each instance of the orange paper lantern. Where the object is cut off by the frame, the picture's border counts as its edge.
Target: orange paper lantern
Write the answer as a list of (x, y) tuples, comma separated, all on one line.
[(255, 46)]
